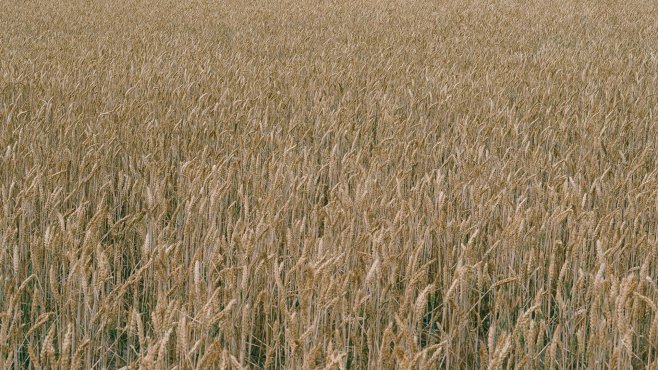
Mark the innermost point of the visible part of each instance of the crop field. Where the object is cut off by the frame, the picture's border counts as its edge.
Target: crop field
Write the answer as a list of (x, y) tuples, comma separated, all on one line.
[(330, 184)]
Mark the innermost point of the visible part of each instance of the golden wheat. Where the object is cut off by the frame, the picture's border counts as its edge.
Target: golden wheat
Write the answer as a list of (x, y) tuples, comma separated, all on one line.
[(328, 184)]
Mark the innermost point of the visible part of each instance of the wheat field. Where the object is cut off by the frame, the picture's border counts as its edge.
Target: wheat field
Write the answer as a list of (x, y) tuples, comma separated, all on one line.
[(330, 184)]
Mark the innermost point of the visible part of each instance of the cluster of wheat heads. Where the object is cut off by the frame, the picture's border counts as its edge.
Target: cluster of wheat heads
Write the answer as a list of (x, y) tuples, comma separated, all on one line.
[(328, 184)]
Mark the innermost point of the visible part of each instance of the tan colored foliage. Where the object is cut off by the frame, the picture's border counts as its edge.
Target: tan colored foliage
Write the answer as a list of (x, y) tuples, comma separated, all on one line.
[(328, 184)]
